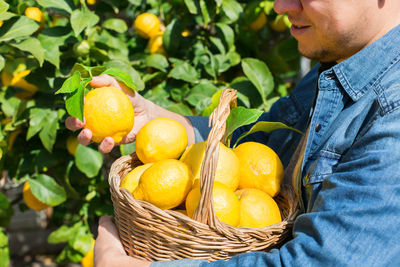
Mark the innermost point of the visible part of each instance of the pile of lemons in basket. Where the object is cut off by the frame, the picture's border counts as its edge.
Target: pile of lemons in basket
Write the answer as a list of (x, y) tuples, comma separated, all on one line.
[(246, 180)]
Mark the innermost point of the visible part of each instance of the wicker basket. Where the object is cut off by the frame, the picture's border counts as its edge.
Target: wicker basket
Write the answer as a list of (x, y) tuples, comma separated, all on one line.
[(153, 234)]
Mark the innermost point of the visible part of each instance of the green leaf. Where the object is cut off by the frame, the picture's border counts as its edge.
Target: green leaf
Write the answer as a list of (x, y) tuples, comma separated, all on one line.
[(2, 62), (62, 234), (60, 4), (48, 134), (200, 96), (205, 12), (82, 69), (81, 240), (4, 250), (239, 117), (88, 160), (68, 255), (121, 76), (184, 71), (181, 109), (172, 37), (259, 74), (117, 25), (3, 6), (24, 26), (71, 84), (266, 126), (157, 61), (44, 122), (214, 103), (47, 190), (33, 46), (6, 211), (227, 35), (127, 149), (232, 9), (81, 19), (6, 16), (191, 5), (245, 87), (51, 50), (74, 102), (125, 66)]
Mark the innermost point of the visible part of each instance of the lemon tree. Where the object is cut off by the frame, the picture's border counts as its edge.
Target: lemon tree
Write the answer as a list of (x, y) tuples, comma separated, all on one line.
[(178, 54)]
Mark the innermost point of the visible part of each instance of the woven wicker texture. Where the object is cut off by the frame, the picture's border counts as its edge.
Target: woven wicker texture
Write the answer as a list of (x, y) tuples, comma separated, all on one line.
[(151, 233)]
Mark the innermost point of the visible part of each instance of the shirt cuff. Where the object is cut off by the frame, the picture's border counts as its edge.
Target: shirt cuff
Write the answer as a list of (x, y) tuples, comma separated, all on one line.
[(200, 126), (180, 263)]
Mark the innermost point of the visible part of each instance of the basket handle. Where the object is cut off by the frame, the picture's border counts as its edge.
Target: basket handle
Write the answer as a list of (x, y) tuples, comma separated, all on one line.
[(205, 210)]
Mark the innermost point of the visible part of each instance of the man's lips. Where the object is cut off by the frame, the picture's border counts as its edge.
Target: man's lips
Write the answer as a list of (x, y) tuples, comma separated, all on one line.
[(297, 30)]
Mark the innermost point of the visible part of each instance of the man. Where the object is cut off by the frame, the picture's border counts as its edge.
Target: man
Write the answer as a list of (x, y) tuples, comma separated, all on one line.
[(346, 170)]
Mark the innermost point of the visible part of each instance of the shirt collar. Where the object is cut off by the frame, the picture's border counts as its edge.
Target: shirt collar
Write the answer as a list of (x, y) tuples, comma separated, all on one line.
[(359, 72)]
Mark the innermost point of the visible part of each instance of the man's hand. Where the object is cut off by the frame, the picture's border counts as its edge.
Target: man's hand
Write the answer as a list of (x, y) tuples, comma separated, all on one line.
[(143, 114), (145, 111), (108, 250)]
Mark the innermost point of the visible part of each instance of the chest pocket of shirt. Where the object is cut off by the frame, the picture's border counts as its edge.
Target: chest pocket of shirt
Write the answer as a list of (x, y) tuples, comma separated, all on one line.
[(320, 169)]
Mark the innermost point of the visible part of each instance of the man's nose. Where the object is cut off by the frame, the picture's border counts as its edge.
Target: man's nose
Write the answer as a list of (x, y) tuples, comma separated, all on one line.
[(287, 6)]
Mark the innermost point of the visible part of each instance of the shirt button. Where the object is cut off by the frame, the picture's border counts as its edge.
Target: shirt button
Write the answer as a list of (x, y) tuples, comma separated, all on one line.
[(317, 127)]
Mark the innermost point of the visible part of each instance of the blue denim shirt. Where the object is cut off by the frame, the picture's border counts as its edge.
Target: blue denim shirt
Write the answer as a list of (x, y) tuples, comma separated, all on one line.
[(350, 180)]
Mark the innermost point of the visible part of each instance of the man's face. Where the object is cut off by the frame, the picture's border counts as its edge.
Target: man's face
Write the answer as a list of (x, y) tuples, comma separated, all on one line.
[(333, 30)]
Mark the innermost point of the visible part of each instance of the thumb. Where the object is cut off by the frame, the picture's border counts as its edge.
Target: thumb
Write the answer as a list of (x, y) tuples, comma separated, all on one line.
[(104, 80)]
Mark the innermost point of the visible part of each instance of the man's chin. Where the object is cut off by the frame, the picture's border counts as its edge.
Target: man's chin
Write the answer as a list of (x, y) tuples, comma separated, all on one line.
[(320, 55)]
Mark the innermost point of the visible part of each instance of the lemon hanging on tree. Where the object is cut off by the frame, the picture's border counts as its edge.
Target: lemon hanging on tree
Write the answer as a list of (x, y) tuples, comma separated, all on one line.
[(108, 112), (147, 25), (30, 200)]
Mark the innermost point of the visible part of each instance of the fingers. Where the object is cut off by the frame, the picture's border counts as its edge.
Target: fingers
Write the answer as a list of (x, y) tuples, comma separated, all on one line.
[(103, 81), (73, 124), (106, 145), (108, 237), (85, 137)]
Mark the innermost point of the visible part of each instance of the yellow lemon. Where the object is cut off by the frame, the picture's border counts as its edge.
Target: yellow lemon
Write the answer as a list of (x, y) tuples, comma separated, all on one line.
[(1, 23), (280, 24), (257, 208), (108, 112), (131, 180), (30, 200), (227, 167), (225, 202), (155, 44), (87, 260), (161, 138), (35, 14), (165, 184), (260, 167), (259, 23), (147, 25), (72, 144), (91, 2), (18, 81)]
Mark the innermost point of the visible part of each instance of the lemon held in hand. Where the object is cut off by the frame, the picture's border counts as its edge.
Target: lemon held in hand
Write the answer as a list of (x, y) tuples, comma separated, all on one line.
[(161, 138), (257, 208), (108, 112), (165, 184), (260, 167)]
